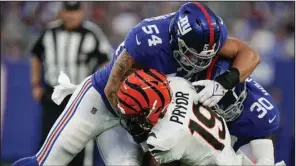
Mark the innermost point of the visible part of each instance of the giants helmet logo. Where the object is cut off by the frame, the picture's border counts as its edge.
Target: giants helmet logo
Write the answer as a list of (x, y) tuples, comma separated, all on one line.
[(184, 26)]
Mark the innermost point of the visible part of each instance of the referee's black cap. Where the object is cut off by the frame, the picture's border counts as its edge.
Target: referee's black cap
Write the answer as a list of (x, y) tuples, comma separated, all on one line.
[(71, 5)]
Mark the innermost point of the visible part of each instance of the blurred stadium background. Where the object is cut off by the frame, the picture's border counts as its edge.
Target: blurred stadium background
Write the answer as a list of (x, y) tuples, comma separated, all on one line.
[(268, 27)]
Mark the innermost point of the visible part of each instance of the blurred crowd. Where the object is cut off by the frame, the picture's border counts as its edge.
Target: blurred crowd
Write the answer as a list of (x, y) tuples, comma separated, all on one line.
[(268, 27)]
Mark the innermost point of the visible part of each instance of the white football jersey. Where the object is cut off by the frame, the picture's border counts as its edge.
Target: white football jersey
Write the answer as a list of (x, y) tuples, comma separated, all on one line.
[(190, 133)]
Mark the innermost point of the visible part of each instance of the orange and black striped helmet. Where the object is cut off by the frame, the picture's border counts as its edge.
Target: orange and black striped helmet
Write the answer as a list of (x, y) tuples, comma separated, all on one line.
[(144, 93)]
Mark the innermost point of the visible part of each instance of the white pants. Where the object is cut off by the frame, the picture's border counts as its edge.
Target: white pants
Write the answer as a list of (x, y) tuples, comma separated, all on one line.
[(84, 118)]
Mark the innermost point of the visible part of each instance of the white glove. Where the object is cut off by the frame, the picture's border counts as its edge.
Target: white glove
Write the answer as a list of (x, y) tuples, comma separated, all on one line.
[(63, 89), (211, 94), (282, 163)]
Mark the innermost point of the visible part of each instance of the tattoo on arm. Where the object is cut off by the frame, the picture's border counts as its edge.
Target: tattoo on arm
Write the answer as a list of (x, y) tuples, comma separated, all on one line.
[(123, 67)]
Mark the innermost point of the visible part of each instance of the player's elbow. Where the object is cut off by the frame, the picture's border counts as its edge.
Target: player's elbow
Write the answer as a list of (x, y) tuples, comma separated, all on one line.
[(256, 58), (253, 56), (107, 91)]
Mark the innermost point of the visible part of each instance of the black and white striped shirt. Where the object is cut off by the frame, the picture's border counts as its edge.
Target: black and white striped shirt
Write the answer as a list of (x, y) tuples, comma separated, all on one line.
[(77, 52)]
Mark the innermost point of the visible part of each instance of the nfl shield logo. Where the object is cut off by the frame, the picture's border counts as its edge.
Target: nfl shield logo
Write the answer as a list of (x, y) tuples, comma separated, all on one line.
[(94, 110)]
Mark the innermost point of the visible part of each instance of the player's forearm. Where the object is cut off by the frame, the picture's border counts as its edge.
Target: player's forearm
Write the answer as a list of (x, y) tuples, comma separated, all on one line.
[(123, 67), (246, 61), (111, 90), (35, 71)]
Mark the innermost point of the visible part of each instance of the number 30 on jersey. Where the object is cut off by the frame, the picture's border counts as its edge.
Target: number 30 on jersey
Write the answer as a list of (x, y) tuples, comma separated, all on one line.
[(152, 30)]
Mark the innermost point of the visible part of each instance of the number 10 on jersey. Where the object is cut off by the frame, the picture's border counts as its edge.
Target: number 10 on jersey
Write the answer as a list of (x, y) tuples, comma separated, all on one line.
[(151, 30)]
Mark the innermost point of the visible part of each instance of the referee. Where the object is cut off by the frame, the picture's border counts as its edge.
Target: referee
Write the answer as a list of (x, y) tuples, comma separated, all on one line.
[(73, 45)]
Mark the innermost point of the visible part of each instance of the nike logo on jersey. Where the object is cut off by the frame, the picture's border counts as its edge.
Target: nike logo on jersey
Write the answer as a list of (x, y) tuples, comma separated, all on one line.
[(271, 120), (138, 43)]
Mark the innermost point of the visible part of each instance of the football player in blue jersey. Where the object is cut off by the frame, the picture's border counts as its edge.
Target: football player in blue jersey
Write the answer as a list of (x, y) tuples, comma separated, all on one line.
[(188, 43), (248, 109), (182, 43)]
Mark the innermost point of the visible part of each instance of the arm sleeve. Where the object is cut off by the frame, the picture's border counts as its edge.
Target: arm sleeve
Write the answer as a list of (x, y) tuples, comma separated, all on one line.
[(38, 48)]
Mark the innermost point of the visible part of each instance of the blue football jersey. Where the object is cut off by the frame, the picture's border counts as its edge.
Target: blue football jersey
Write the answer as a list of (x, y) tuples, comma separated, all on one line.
[(260, 116), (149, 45)]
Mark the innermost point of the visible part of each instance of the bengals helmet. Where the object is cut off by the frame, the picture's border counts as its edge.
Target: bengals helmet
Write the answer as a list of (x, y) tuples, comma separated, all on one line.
[(142, 99)]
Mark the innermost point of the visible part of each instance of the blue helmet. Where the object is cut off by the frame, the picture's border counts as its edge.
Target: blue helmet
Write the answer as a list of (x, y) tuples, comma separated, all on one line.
[(195, 36)]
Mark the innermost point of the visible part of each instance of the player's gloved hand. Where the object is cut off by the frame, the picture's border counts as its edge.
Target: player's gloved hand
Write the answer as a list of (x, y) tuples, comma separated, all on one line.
[(211, 94), (213, 91)]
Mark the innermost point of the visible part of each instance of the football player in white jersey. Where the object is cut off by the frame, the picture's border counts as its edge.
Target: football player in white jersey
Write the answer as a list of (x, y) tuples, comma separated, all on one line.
[(160, 113)]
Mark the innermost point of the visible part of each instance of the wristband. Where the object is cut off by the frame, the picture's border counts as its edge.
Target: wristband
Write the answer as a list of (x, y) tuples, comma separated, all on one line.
[(229, 79)]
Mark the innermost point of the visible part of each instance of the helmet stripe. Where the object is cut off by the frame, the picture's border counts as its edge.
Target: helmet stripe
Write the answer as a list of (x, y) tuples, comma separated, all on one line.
[(209, 21), (158, 109), (127, 105), (153, 74), (139, 104), (139, 89), (211, 68), (153, 88)]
